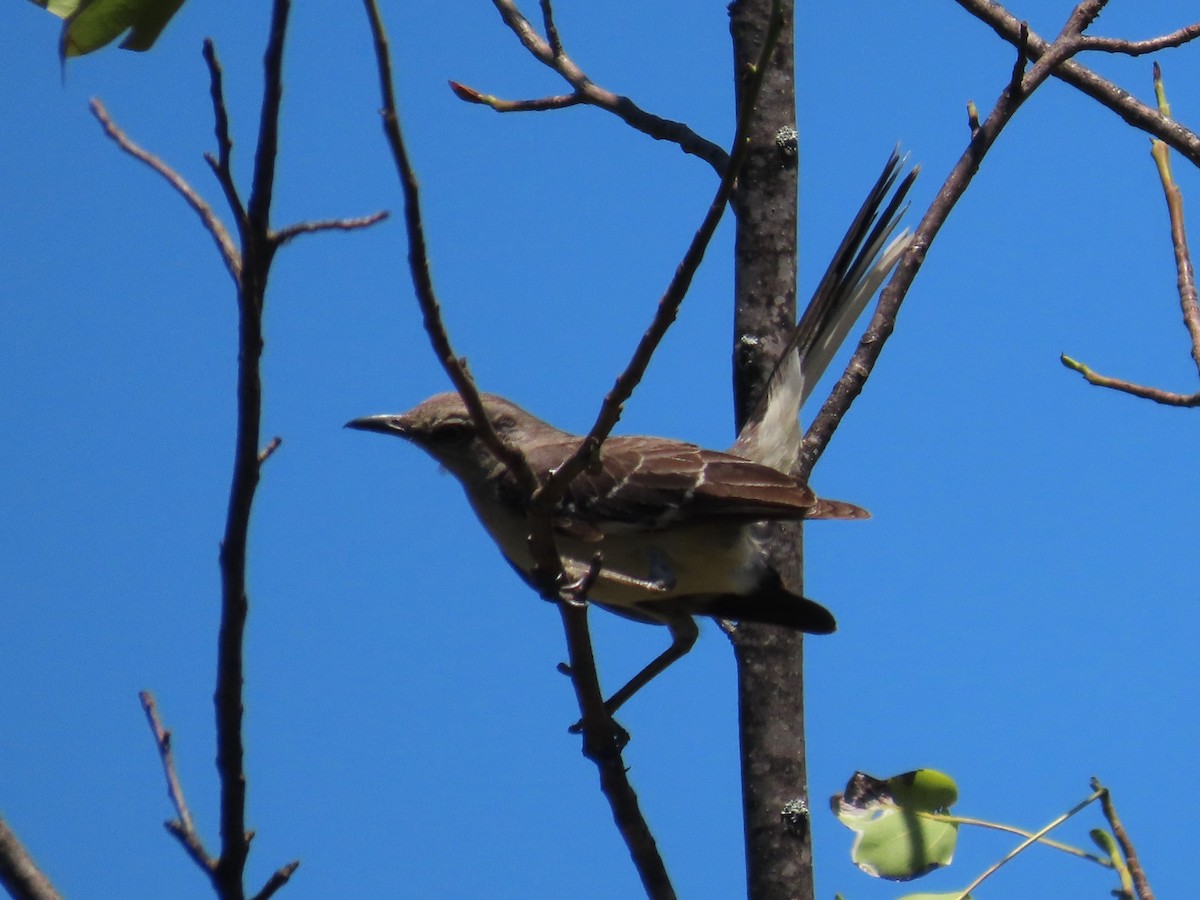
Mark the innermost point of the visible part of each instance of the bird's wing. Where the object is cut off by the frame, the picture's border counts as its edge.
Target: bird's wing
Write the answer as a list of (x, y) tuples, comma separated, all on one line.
[(647, 483)]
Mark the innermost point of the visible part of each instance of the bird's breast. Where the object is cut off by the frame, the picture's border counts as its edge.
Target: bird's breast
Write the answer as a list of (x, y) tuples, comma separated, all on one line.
[(641, 566)]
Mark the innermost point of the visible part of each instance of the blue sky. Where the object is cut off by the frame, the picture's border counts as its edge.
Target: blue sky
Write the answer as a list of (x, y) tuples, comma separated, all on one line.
[(1019, 612)]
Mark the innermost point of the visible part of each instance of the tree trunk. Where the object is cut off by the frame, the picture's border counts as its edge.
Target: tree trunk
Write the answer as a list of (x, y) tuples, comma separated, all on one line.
[(769, 659)]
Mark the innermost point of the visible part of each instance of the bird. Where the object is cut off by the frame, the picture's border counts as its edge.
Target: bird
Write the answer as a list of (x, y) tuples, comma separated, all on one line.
[(679, 529)]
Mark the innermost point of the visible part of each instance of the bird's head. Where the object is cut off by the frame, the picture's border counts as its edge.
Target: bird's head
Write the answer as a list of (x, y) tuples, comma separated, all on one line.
[(442, 427)]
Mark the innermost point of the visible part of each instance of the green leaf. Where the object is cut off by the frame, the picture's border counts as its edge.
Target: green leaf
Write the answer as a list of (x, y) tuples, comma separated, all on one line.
[(60, 8), (926, 789), (92, 24), (893, 840)]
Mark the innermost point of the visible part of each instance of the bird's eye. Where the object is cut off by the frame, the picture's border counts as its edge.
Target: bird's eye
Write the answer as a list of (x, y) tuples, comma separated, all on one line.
[(453, 434)]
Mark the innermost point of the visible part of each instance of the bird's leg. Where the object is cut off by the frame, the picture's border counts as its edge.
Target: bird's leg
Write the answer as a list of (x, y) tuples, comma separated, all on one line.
[(576, 590), (684, 632)]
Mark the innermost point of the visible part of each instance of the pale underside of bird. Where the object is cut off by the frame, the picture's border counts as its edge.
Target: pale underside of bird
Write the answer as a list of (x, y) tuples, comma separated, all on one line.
[(678, 528)]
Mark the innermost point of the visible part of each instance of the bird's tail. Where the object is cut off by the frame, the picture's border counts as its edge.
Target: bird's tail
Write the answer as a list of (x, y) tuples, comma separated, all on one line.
[(772, 604), (771, 435)]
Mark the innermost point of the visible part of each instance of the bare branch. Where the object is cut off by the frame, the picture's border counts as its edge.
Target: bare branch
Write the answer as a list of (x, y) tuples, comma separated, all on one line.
[(278, 879), (258, 209), (549, 52), (1120, 101), (212, 224), (538, 104), (418, 260), (1185, 278), (258, 252), (1050, 59), (19, 874), (552, 36), (1022, 61), (284, 235), (190, 842), (222, 164), (1137, 48), (268, 451), (184, 828), (1166, 398), (1141, 885), (603, 741)]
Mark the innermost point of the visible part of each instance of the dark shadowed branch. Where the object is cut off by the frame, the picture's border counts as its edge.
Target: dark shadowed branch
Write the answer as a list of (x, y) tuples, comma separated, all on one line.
[(249, 266), (257, 253)]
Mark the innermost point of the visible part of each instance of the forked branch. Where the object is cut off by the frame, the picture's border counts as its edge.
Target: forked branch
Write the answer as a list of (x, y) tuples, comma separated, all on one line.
[(549, 51)]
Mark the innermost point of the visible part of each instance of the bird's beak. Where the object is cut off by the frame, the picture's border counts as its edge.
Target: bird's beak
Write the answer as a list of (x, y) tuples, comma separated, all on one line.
[(386, 424)]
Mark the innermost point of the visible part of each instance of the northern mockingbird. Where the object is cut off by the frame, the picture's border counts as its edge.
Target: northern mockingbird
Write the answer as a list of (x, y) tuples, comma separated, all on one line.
[(679, 528)]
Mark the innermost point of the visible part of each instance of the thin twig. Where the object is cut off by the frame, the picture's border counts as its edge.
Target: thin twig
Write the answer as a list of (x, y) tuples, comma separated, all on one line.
[(222, 164), (184, 828), (1049, 60), (278, 879), (549, 52), (1185, 274), (537, 104), (552, 36), (1141, 885), (1028, 842), (1185, 278), (1151, 45), (1022, 61), (1120, 101), (190, 842), (19, 874), (418, 260), (283, 235), (1158, 395), (258, 209), (1019, 832), (212, 224), (268, 451), (548, 574)]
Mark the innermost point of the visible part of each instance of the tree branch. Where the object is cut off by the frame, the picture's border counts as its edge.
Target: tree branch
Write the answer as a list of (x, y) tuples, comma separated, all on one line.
[(284, 235), (19, 874), (182, 828), (221, 164), (1185, 278), (1049, 60), (549, 51), (1131, 110), (1151, 45), (1141, 885), (257, 253), (212, 224)]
